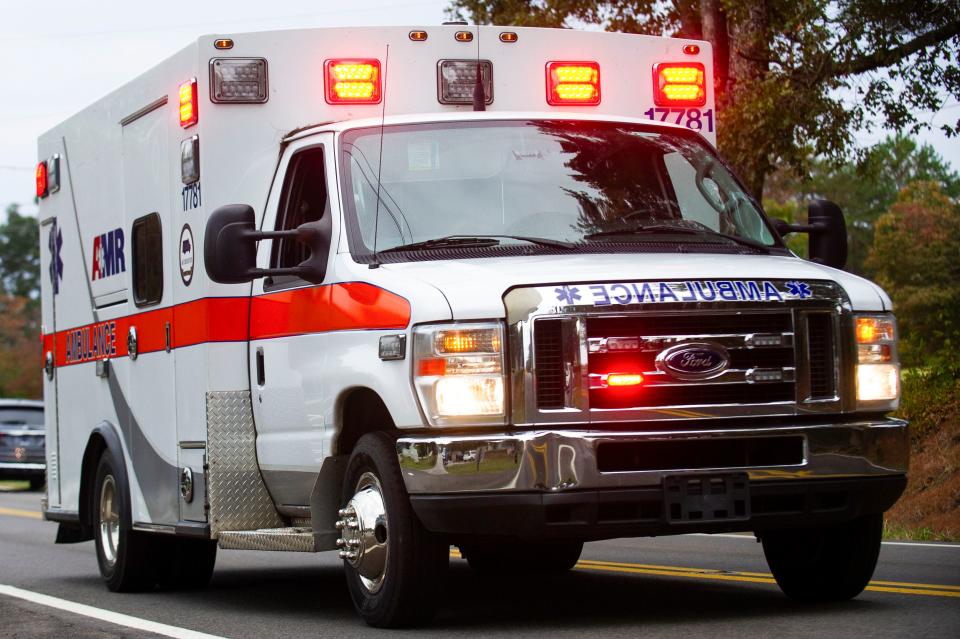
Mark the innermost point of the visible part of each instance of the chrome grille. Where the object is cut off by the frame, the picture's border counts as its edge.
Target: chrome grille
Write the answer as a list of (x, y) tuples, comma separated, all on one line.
[(821, 355), (549, 363)]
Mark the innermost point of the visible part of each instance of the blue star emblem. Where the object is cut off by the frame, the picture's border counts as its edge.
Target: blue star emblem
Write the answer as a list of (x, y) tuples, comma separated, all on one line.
[(567, 294), (799, 289), (56, 263)]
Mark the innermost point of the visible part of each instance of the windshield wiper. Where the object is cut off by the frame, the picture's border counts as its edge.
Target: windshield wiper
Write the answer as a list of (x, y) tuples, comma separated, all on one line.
[(476, 241), (656, 229)]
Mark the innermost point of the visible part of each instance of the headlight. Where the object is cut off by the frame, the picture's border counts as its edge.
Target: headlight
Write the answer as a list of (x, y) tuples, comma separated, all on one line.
[(878, 364), (458, 373)]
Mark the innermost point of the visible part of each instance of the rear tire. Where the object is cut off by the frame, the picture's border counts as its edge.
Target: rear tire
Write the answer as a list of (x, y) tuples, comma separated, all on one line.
[(513, 557), (825, 564), (398, 568), (127, 558)]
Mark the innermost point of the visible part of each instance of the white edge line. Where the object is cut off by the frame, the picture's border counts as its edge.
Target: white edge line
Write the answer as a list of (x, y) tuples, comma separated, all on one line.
[(916, 544), (104, 615)]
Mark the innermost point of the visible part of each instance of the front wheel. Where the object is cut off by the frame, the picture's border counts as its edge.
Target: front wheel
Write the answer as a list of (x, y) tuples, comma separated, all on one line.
[(394, 566), (833, 563)]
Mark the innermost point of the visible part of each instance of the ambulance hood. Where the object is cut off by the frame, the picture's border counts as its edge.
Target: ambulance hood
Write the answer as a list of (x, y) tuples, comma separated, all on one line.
[(475, 288)]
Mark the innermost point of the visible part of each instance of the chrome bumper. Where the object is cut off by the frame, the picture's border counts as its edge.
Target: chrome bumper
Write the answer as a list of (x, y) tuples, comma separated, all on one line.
[(560, 460), (22, 466)]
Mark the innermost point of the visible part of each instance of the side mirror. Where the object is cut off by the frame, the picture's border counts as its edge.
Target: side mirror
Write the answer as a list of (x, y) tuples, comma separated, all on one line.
[(827, 230), (230, 247)]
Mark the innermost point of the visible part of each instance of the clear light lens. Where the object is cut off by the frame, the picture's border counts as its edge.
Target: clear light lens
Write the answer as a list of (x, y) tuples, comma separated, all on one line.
[(469, 395), (458, 373), (238, 80), (878, 382), (457, 80)]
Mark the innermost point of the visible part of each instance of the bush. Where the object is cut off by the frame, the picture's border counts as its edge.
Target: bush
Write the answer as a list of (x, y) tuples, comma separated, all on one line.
[(931, 395)]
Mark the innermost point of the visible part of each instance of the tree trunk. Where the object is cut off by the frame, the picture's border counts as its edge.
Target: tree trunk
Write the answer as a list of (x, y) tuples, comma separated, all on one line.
[(714, 23)]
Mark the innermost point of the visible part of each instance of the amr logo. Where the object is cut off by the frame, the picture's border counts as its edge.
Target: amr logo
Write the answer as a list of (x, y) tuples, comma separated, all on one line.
[(108, 256)]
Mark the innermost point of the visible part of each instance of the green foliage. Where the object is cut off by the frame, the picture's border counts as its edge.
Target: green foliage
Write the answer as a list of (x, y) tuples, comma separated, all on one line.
[(864, 190), (19, 255), (931, 395), (916, 257), (785, 68)]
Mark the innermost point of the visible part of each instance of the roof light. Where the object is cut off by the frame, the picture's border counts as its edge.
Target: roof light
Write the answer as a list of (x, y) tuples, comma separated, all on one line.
[(463, 36), (352, 81), (573, 83), (508, 36), (223, 43), (456, 80), (41, 176), (188, 103), (53, 174), (418, 36), (679, 84), (691, 49), (238, 80)]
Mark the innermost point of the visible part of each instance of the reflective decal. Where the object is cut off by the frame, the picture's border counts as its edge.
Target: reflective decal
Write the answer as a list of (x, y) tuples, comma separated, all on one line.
[(659, 292)]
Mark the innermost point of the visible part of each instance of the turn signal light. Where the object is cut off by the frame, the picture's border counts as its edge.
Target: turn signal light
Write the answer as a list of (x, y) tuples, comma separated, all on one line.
[(188, 103), (573, 83), (352, 81), (679, 84)]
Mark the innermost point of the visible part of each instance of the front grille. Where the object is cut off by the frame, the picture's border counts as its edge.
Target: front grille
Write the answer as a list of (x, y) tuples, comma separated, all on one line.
[(820, 345), (548, 354), (692, 394), (700, 454)]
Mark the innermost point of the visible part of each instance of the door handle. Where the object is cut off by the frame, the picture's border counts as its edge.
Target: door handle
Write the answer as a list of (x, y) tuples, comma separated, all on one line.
[(261, 374)]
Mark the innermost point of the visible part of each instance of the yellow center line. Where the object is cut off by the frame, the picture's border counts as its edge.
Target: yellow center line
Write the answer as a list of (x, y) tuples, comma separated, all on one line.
[(17, 512), (905, 588)]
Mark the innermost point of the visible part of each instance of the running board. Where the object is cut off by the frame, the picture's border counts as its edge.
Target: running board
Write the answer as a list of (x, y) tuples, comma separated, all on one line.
[(282, 539)]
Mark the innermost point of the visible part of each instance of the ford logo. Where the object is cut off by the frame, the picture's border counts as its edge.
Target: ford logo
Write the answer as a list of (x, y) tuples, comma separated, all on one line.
[(693, 361)]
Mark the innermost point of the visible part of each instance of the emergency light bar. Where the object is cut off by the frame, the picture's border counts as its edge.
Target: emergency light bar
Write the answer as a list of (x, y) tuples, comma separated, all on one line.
[(188, 103), (352, 81), (573, 83), (679, 84), (41, 176), (456, 80)]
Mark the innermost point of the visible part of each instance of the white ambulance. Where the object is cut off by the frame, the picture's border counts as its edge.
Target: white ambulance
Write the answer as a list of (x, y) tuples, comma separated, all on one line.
[(388, 290)]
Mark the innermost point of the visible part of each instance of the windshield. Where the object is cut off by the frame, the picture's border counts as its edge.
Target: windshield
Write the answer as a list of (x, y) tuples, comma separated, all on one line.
[(588, 183)]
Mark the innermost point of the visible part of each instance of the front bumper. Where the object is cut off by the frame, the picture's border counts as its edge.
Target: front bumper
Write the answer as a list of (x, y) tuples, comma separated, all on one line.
[(596, 484)]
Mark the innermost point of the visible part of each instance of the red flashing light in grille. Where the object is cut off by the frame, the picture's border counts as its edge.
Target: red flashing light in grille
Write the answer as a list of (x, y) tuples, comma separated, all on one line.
[(615, 380)]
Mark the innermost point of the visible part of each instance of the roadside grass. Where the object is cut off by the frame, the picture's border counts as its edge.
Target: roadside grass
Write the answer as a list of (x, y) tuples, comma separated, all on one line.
[(12, 485), (893, 531)]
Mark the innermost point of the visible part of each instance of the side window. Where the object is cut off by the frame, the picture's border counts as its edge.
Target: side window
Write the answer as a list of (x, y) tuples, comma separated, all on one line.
[(147, 260), (304, 199)]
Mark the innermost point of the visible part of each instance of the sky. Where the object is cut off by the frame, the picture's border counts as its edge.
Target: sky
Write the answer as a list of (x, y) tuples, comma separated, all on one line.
[(58, 56)]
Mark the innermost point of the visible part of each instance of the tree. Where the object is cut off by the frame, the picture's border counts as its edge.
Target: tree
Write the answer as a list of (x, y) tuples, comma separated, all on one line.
[(916, 258), (20, 374), (795, 79), (864, 190), (20, 255)]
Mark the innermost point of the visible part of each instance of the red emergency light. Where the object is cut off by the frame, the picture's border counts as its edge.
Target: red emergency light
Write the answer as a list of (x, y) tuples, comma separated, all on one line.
[(41, 179), (679, 84), (352, 81), (188, 103), (573, 83), (615, 380)]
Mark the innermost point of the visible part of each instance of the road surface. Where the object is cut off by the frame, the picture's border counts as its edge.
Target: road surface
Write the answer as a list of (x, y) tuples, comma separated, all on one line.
[(696, 585)]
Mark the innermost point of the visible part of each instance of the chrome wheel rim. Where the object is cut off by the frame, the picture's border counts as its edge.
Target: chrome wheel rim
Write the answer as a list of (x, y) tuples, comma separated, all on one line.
[(365, 540), (109, 520)]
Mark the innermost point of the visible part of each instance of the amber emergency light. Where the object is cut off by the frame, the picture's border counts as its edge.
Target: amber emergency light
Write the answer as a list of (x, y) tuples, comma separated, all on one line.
[(679, 84), (573, 83), (352, 81)]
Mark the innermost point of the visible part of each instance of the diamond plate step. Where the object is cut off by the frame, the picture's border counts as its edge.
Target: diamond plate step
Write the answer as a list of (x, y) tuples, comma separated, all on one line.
[(292, 539)]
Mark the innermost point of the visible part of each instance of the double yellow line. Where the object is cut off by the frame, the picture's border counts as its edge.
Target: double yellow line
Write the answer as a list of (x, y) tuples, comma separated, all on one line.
[(903, 588), (19, 512)]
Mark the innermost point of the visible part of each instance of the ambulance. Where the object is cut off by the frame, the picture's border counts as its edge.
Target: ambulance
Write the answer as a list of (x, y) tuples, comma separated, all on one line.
[(389, 291)]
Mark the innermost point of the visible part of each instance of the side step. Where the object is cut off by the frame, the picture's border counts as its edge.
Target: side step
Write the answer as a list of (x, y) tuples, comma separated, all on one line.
[(294, 539)]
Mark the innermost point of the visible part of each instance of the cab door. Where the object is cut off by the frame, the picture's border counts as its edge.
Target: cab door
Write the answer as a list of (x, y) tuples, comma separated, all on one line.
[(287, 360), (50, 236)]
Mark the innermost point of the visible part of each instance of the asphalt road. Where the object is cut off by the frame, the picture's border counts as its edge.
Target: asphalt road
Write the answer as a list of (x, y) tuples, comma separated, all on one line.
[(666, 587)]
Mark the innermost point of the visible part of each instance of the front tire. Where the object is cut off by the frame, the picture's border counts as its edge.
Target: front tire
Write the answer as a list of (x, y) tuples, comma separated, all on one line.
[(126, 557), (832, 563), (394, 567)]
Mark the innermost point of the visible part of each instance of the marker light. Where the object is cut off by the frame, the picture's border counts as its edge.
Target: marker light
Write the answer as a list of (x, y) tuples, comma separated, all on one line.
[(352, 81), (878, 365), (463, 36), (458, 373), (508, 36), (223, 43), (418, 36), (573, 83), (691, 49), (41, 176), (679, 84), (188, 103)]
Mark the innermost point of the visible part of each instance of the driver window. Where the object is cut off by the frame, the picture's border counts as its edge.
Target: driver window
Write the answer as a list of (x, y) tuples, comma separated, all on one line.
[(304, 199)]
